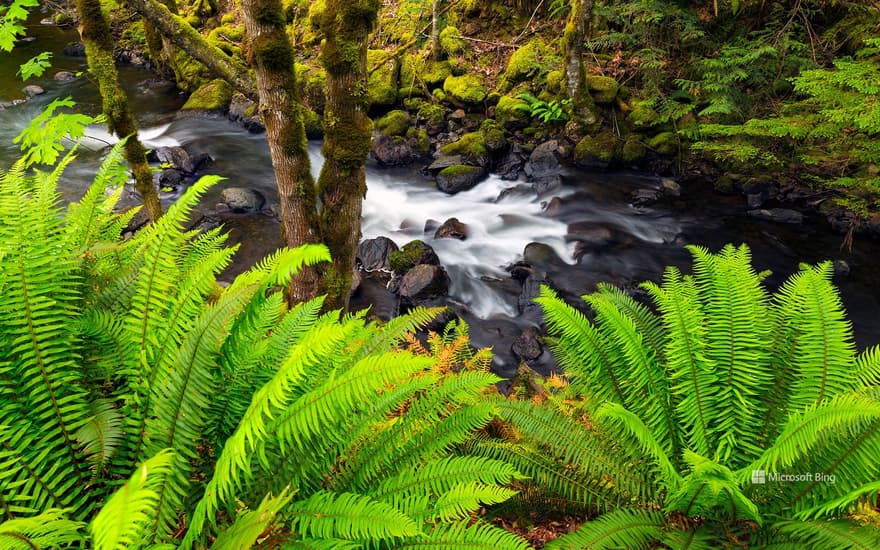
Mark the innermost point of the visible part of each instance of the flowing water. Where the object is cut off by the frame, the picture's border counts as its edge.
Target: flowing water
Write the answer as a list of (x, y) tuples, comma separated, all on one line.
[(400, 202)]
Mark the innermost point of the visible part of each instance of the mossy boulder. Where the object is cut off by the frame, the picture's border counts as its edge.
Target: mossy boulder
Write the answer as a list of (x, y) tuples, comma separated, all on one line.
[(509, 115), (642, 116), (471, 146), (418, 138), (431, 113), (412, 254), (213, 97), (526, 63), (596, 151), (467, 89), (555, 81), (415, 70), (603, 88), (227, 37), (451, 42), (459, 177), (395, 123), (493, 136), (665, 143), (382, 85), (633, 150)]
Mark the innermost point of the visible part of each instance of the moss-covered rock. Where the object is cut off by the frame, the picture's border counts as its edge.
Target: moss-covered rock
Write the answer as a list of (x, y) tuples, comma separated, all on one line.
[(459, 177), (555, 80), (412, 254), (493, 136), (439, 94), (596, 151), (633, 150), (227, 38), (665, 143), (415, 71), (451, 42), (382, 85), (431, 113), (467, 89), (471, 146), (213, 97), (418, 138), (189, 74), (642, 116), (509, 115), (410, 92), (603, 88), (395, 123), (526, 63)]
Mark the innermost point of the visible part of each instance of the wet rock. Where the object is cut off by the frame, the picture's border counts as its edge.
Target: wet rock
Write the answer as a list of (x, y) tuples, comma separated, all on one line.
[(413, 253), (64, 76), (32, 90), (74, 49), (375, 254), (431, 225), (459, 177), (392, 150), (543, 161), (520, 271), (546, 184), (841, 268), (244, 111), (521, 190), (645, 197), (778, 215), (140, 220), (552, 207), (755, 200), (444, 161), (170, 177), (670, 187), (527, 346), (206, 223), (512, 163), (525, 302), (179, 158), (424, 282), (452, 229), (240, 200), (540, 254), (595, 234)]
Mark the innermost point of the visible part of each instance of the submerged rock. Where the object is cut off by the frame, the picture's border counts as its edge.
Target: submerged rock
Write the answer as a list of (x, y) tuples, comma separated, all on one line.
[(240, 200), (452, 229), (778, 215)]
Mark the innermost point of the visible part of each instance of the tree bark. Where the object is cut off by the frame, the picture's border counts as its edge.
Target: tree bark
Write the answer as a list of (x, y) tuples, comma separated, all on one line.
[(159, 46), (346, 26), (98, 39), (189, 40), (436, 54), (271, 55), (576, 32)]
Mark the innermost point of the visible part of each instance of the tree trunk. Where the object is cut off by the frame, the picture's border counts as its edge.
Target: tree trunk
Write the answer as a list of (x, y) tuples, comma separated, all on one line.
[(98, 39), (346, 25), (575, 33), (189, 40), (271, 55), (436, 54)]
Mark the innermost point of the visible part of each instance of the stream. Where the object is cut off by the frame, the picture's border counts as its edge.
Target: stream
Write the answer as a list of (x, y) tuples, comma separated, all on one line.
[(400, 201)]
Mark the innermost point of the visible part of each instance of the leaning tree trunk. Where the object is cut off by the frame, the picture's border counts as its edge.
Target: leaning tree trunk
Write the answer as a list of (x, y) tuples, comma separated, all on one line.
[(98, 38), (159, 46), (573, 39), (346, 25), (271, 55)]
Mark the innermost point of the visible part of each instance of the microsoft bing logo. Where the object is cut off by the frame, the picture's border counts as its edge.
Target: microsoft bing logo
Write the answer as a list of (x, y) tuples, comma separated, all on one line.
[(759, 477)]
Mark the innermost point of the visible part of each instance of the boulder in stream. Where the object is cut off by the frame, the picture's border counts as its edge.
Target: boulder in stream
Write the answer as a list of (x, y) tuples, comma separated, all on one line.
[(778, 215), (413, 253), (240, 200), (459, 177), (424, 282), (452, 229), (375, 254)]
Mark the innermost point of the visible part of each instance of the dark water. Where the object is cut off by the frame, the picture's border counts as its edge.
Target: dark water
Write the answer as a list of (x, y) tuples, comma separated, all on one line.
[(400, 202)]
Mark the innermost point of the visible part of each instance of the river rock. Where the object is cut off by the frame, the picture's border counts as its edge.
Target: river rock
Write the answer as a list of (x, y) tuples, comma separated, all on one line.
[(452, 229), (596, 234), (32, 90), (170, 177), (521, 190), (670, 187), (543, 162), (459, 177), (509, 167), (645, 197), (244, 111), (413, 253), (841, 268), (778, 215), (241, 200), (177, 157), (74, 49), (531, 289), (392, 150), (64, 76), (444, 161), (424, 282), (375, 254), (527, 346), (552, 207), (540, 254)]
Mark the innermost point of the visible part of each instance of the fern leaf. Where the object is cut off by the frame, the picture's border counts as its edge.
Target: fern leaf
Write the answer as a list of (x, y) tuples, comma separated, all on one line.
[(629, 528), (459, 535), (251, 524), (349, 516), (51, 529), (819, 535)]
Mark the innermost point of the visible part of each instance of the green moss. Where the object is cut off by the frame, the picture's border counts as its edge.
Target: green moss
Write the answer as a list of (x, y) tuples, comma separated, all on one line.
[(457, 170), (313, 123), (62, 19), (526, 63), (395, 123), (411, 254), (432, 114), (419, 137), (665, 143), (468, 89), (439, 94), (413, 104), (507, 113), (555, 80), (227, 38), (642, 116), (214, 96), (603, 88), (599, 148), (493, 135), (228, 18), (451, 42), (189, 74), (311, 83), (382, 86), (633, 150), (471, 145)]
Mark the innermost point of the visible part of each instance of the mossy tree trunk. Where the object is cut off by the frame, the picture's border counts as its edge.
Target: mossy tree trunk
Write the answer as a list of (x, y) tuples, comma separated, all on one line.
[(159, 46), (346, 26), (576, 31), (98, 39), (188, 39), (436, 53), (271, 55)]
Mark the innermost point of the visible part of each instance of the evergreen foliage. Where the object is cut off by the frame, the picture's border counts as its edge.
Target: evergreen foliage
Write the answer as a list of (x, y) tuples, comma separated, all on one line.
[(672, 412)]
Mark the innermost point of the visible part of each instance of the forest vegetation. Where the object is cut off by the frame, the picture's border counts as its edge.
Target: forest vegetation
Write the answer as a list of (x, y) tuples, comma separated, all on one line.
[(143, 404)]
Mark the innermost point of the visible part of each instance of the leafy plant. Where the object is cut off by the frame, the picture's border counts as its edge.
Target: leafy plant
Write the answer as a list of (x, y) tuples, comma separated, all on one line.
[(241, 419), (672, 417), (547, 112)]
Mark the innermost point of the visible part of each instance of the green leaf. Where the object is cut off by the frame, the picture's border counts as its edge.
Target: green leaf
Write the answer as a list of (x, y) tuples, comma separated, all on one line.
[(35, 66)]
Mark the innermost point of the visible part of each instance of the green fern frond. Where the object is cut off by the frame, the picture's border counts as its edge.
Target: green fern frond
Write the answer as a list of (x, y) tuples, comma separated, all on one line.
[(464, 499), (629, 528), (251, 524), (101, 437), (123, 520), (819, 535), (711, 490), (349, 516), (51, 529), (459, 535), (867, 370)]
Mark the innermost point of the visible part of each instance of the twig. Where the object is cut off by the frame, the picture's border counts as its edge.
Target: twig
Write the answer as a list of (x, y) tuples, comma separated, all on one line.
[(532, 18)]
